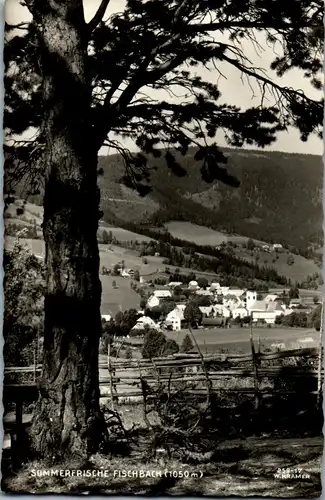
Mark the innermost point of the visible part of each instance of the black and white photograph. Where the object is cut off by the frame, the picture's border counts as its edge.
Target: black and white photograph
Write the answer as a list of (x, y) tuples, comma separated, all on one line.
[(163, 247)]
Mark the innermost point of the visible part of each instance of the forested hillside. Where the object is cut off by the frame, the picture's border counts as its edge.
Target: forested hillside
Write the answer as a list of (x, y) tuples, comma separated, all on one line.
[(279, 197)]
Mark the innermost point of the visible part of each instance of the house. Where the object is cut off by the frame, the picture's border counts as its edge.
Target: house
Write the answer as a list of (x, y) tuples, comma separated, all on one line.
[(127, 273), (157, 295), (174, 284), (231, 302), (277, 247), (240, 312), (213, 322), (250, 298), (266, 248), (271, 297), (206, 311), (145, 322), (162, 294), (217, 310), (267, 311), (205, 293), (106, 317), (153, 301), (193, 285), (237, 292), (221, 310), (175, 317), (295, 303)]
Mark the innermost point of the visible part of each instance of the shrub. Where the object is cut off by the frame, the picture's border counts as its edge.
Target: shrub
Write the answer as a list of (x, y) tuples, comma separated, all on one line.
[(290, 260), (187, 344), (170, 347), (128, 353), (24, 287), (153, 344)]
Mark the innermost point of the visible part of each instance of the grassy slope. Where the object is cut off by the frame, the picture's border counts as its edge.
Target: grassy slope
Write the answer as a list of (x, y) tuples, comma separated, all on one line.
[(113, 300), (205, 236)]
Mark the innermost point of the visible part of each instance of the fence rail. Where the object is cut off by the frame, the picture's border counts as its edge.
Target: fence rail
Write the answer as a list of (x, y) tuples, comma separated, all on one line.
[(125, 377)]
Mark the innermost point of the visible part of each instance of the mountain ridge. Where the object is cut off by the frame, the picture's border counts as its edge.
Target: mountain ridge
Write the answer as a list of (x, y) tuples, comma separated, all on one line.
[(279, 197)]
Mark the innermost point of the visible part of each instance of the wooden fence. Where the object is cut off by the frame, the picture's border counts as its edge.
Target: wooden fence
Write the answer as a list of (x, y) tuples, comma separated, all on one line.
[(256, 374)]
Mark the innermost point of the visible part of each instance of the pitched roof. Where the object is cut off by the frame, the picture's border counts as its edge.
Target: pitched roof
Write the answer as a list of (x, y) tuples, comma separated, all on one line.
[(175, 313), (162, 293)]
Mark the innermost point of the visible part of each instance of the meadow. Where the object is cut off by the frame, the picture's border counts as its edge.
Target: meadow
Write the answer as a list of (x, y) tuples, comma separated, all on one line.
[(297, 271), (238, 339), (201, 235), (122, 234), (116, 299)]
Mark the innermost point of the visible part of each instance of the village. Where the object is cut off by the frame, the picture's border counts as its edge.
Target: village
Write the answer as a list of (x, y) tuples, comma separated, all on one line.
[(174, 305)]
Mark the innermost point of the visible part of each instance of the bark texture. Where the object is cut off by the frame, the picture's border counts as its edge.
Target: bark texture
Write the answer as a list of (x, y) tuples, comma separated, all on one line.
[(67, 419)]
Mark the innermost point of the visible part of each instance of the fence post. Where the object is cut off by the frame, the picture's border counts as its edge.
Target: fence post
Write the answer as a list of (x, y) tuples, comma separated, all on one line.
[(320, 358), (110, 374)]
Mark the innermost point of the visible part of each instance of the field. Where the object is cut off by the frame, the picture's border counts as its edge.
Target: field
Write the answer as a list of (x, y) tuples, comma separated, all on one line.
[(296, 272), (201, 235), (204, 236), (113, 299), (187, 231), (31, 212), (234, 339), (123, 234), (120, 298)]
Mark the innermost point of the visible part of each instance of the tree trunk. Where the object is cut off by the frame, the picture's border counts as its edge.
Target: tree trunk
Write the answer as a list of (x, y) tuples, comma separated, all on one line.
[(67, 419)]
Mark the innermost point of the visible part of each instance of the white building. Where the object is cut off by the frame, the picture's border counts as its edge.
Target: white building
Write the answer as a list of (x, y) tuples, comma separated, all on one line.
[(231, 302), (162, 294), (215, 311), (277, 246), (271, 297), (193, 285), (206, 310), (240, 312), (144, 322), (251, 298), (174, 284), (267, 311), (175, 317), (236, 292), (106, 317), (205, 293), (127, 273), (154, 299)]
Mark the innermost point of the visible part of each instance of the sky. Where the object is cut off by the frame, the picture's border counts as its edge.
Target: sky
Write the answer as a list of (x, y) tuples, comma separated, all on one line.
[(233, 89)]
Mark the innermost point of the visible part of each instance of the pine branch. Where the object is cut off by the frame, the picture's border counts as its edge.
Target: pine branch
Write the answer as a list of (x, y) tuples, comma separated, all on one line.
[(283, 90), (206, 27), (98, 17)]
